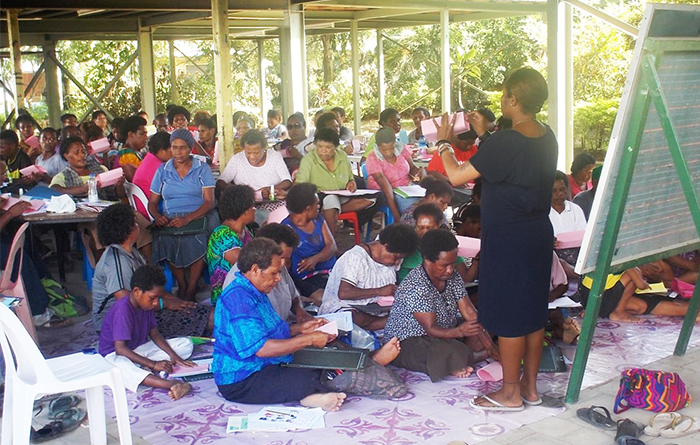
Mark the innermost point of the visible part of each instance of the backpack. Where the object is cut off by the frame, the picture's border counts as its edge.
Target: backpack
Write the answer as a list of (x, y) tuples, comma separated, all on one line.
[(61, 302)]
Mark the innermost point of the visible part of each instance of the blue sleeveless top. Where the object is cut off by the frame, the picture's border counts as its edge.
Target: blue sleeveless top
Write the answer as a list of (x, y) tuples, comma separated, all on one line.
[(309, 244)]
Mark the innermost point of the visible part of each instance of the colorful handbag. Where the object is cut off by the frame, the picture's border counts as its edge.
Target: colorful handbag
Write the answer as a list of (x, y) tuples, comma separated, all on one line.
[(656, 391)]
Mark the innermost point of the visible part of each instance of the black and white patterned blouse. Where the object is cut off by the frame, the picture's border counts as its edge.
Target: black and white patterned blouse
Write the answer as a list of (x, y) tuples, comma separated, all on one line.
[(416, 293)]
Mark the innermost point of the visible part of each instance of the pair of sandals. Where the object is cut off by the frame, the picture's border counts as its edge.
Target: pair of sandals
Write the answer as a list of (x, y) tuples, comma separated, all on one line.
[(64, 415), (671, 425), (627, 431)]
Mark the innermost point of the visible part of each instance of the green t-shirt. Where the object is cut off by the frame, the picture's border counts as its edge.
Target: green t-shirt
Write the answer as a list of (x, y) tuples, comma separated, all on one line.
[(314, 170)]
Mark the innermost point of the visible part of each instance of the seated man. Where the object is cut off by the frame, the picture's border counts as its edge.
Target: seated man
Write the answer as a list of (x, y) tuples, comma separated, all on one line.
[(284, 297), (425, 315), (366, 273), (620, 303), (125, 332), (253, 342)]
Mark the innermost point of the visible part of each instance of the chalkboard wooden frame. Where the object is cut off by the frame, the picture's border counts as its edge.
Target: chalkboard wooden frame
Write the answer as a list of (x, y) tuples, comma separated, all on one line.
[(600, 245)]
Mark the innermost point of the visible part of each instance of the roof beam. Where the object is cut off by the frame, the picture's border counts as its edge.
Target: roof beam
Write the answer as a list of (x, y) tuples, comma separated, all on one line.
[(532, 7), (140, 5), (175, 17), (76, 25)]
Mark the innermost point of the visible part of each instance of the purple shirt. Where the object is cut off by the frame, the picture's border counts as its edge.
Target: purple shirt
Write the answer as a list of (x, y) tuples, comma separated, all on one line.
[(127, 323)]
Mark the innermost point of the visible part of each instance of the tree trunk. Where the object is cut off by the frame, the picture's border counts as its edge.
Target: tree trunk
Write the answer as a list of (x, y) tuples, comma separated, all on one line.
[(327, 59)]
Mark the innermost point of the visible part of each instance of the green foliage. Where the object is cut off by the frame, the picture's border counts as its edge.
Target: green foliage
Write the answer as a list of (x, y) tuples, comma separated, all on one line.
[(593, 123)]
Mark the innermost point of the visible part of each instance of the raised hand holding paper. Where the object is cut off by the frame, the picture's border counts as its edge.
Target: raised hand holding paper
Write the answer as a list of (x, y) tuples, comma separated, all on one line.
[(99, 145), (32, 169), (330, 328), (460, 126), (110, 177), (32, 141)]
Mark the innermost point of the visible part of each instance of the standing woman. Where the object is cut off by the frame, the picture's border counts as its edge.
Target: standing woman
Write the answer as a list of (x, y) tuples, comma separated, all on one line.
[(185, 186), (517, 167)]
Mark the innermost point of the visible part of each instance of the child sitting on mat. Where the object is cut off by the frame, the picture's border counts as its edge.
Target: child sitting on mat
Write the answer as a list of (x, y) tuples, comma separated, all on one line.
[(125, 332), (620, 303)]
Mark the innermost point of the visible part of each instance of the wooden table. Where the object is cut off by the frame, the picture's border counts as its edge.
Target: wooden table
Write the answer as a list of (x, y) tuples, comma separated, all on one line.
[(58, 222)]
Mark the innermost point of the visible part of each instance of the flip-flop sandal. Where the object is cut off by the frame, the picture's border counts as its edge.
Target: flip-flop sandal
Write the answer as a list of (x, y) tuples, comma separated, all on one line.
[(660, 422), (498, 406), (552, 402), (532, 402), (65, 421), (682, 426), (628, 440), (627, 427), (595, 418), (61, 404)]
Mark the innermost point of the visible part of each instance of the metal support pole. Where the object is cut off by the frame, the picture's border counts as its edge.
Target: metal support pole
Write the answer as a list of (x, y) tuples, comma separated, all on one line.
[(292, 53), (16, 55), (552, 70), (566, 87), (445, 67), (380, 70), (261, 80), (174, 93), (53, 97), (222, 75), (356, 100), (148, 81)]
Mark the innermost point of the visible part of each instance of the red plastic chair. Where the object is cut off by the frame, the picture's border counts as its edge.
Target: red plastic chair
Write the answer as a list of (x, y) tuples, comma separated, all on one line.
[(352, 217)]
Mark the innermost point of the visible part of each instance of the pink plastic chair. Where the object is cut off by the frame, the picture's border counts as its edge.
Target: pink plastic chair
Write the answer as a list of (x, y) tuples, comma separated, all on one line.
[(16, 288)]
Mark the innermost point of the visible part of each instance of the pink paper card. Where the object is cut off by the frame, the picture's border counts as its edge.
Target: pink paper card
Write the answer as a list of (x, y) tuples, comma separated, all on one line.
[(36, 204), (277, 215), (468, 247), (110, 177), (330, 328), (32, 169), (430, 130), (99, 145), (32, 141), (570, 240), (386, 301), (258, 196)]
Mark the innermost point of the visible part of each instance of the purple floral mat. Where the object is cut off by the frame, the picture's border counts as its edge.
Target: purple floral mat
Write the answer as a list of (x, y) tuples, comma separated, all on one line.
[(431, 413)]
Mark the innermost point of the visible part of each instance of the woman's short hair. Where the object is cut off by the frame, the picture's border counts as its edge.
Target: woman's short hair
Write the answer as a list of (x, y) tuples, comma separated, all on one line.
[(529, 87), (9, 136), (429, 209), (436, 241), (298, 116), (159, 141), (200, 116), (93, 133), (388, 113), (66, 143), (561, 176), (258, 251), (323, 119), (96, 114), (235, 201), (581, 161), (48, 130), (147, 277), (436, 187), (327, 135), (208, 122), (24, 118), (254, 137), (130, 125), (177, 109), (384, 135), (401, 239), (115, 224), (279, 233), (422, 110), (300, 196)]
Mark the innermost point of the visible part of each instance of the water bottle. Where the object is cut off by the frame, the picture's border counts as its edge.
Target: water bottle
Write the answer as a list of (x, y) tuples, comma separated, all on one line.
[(92, 188), (422, 146)]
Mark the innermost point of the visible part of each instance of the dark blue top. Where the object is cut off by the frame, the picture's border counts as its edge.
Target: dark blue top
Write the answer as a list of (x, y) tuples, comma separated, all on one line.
[(309, 244), (518, 174), (244, 320)]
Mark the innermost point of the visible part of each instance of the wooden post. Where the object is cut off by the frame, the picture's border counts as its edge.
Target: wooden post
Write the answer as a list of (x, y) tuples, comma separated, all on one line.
[(222, 75), (356, 100), (53, 97), (261, 80), (174, 93), (380, 70), (552, 68), (16, 55), (148, 81), (445, 67)]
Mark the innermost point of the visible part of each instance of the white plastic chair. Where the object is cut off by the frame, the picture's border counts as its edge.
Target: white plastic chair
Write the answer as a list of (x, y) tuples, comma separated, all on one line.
[(134, 192), (29, 375), (16, 288)]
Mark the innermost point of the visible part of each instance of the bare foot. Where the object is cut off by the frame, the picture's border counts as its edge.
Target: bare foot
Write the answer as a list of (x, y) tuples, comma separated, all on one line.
[(624, 317), (179, 389), (571, 331), (387, 353), (330, 401), (463, 373)]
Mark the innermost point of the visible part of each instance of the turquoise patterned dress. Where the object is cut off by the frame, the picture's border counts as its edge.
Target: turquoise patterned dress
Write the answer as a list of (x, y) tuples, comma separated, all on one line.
[(222, 240)]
